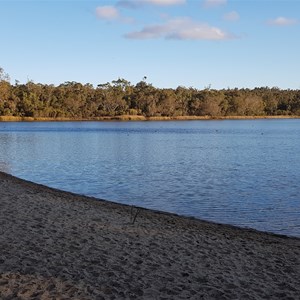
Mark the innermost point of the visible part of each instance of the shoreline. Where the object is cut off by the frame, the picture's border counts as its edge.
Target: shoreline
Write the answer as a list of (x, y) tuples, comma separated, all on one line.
[(139, 118), (59, 244), (81, 197)]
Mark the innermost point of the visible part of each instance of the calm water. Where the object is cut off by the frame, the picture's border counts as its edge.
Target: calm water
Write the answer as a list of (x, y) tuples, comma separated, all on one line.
[(245, 173)]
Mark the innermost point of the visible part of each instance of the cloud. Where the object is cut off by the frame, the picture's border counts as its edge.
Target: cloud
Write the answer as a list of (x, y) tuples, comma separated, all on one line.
[(214, 3), (111, 13), (282, 21), (139, 3), (107, 13), (231, 16), (180, 29), (165, 2)]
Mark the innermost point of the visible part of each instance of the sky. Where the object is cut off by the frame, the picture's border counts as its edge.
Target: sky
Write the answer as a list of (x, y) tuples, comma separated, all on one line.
[(191, 43)]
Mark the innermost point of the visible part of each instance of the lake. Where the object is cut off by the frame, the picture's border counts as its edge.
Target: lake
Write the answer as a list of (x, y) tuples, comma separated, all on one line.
[(240, 172)]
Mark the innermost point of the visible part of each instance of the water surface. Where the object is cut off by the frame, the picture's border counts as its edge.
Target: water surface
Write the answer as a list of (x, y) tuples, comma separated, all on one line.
[(241, 172)]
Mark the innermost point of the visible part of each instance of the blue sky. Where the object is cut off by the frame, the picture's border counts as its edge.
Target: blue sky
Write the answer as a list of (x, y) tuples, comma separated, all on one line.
[(192, 43)]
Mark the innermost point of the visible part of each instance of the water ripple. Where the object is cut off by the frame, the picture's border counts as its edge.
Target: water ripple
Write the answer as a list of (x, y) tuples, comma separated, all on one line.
[(224, 171)]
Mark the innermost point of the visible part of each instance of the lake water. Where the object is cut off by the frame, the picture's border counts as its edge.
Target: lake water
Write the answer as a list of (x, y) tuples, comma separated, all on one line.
[(240, 172)]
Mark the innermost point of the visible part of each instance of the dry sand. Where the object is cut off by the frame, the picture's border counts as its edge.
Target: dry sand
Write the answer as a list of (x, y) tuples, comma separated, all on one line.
[(57, 245)]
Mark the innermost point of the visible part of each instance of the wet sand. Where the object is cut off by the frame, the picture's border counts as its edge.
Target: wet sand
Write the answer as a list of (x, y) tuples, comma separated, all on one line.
[(57, 245)]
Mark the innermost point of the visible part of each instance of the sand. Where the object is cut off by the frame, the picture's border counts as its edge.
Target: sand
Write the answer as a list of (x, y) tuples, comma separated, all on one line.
[(57, 245)]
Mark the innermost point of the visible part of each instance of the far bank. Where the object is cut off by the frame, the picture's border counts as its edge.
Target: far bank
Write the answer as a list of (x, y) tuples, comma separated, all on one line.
[(140, 118)]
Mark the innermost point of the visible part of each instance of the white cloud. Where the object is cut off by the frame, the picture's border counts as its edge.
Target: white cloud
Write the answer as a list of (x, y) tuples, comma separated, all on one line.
[(139, 3), (214, 3), (107, 12), (180, 29), (231, 16), (282, 21), (165, 2), (111, 13)]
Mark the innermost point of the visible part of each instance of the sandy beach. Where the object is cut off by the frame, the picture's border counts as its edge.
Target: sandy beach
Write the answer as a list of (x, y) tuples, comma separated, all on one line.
[(57, 245)]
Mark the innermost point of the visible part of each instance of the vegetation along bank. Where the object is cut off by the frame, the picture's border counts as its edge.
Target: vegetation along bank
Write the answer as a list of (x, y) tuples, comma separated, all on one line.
[(73, 100)]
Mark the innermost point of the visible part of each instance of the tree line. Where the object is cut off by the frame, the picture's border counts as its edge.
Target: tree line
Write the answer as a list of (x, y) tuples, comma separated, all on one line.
[(120, 97)]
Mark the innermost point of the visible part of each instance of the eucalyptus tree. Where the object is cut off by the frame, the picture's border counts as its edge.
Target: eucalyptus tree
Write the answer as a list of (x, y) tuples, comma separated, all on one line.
[(5, 92)]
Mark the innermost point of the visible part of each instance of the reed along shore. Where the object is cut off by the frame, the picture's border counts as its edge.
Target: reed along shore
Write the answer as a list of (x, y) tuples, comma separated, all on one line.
[(58, 245), (140, 118)]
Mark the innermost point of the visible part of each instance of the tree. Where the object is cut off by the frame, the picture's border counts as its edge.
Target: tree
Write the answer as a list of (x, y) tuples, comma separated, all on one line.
[(295, 104), (5, 87), (111, 98), (166, 105), (4, 76), (76, 100)]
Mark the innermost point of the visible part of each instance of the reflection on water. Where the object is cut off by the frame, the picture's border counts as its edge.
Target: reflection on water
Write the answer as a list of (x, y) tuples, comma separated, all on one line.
[(244, 173)]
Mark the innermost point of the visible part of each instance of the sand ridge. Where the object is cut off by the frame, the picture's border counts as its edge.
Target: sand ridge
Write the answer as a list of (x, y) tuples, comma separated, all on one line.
[(57, 245)]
